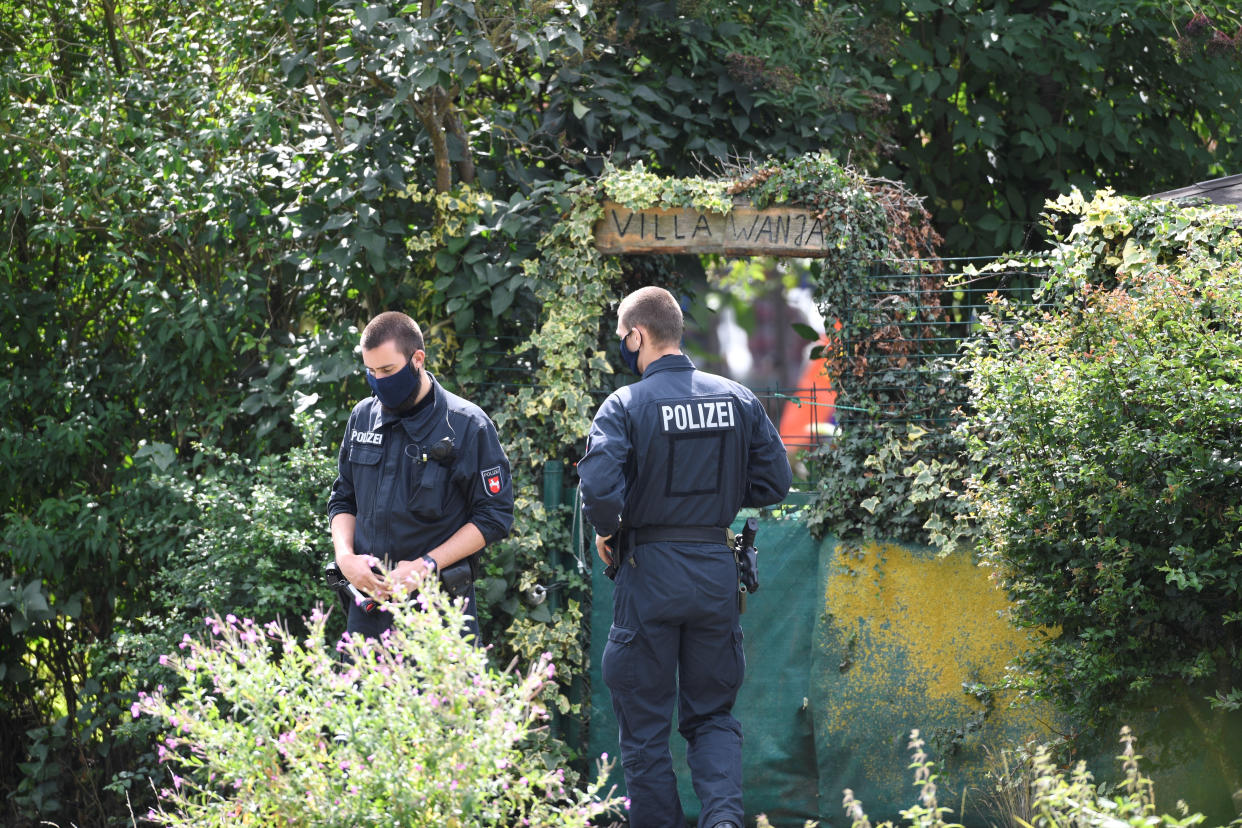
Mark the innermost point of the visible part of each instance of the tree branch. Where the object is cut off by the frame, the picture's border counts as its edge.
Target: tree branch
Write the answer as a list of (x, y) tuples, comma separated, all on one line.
[(118, 61), (465, 167)]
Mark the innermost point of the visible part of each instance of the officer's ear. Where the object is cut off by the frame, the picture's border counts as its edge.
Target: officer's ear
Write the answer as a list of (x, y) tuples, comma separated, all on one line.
[(643, 339)]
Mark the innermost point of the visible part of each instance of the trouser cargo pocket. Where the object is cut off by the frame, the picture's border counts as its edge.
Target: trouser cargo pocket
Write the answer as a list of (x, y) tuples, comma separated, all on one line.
[(617, 666)]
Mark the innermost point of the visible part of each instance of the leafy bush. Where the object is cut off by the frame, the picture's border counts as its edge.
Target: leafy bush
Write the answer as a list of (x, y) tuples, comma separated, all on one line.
[(255, 541), (1052, 799), (277, 729), (992, 112), (1110, 493)]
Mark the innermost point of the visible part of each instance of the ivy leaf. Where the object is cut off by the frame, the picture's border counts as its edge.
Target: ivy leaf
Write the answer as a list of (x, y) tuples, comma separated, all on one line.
[(445, 262), (805, 331), (502, 298)]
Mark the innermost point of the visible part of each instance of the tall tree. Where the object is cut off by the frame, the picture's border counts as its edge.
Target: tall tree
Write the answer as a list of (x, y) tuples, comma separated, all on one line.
[(997, 105), (200, 201)]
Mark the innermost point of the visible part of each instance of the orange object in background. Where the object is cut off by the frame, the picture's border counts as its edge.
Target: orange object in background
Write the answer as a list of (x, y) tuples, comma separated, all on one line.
[(804, 426)]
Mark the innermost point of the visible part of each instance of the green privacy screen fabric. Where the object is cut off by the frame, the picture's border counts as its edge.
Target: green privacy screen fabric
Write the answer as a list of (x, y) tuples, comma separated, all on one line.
[(848, 649)]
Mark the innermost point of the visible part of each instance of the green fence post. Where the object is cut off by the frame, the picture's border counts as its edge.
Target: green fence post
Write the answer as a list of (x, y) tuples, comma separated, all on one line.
[(553, 497), (553, 490)]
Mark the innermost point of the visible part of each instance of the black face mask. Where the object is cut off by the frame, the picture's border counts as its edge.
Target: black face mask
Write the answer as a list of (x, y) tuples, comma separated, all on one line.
[(630, 358), (397, 389)]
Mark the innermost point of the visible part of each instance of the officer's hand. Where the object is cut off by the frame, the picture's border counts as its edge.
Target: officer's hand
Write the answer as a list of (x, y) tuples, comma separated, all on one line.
[(357, 569), (604, 549), (409, 574)]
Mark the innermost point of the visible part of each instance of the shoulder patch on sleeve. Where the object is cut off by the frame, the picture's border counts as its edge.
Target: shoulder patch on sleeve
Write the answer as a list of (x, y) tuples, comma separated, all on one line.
[(492, 481)]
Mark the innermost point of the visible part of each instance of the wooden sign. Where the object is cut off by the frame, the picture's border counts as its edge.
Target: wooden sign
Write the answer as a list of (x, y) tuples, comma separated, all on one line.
[(744, 231)]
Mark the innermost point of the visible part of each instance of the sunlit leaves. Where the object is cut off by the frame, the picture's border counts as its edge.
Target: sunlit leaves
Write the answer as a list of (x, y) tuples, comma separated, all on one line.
[(1108, 426)]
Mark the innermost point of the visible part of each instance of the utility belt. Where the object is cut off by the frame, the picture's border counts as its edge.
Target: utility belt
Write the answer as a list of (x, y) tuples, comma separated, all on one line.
[(630, 538), (676, 534), (741, 546)]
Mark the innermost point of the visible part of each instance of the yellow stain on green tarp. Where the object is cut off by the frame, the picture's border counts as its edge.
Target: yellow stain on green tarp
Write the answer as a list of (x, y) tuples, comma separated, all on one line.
[(913, 629)]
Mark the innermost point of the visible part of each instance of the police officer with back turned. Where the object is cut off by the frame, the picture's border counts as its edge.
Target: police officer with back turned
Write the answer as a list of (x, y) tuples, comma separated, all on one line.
[(422, 480), (670, 460)]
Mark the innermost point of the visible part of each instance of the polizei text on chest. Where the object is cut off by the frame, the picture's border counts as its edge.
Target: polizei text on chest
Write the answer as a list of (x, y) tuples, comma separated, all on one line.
[(696, 415)]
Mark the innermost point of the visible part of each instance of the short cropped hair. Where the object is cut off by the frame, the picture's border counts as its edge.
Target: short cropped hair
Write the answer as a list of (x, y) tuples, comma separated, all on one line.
[(656, 310), (395, 327)]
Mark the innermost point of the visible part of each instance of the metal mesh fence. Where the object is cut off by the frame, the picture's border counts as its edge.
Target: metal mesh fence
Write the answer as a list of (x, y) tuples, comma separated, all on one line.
[(897, 368), (896, 363)]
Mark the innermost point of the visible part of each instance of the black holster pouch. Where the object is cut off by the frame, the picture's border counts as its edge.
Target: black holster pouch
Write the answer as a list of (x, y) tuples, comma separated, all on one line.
[(456, 579), (619, 548)]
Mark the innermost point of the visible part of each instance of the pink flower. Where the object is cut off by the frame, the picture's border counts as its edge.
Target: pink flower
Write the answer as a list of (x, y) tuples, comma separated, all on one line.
[(163, 661), (134, 710)]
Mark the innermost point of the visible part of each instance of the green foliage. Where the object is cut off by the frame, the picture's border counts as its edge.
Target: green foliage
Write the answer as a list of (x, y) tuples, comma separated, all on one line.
[(1048, 797), (894, 482), (273, 727), (204, 203), (683, 84), (639, 189), (886, 473), (998, 106), (1105, 432), (255, 545), (926, 813)]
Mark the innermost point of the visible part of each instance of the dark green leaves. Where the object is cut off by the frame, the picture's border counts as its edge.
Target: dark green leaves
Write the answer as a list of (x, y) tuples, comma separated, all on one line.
[(996, 109), (1109, 428)]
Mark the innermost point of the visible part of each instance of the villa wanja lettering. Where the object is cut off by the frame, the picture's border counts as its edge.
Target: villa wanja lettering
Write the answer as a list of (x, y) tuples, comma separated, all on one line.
[(778, 229), (787, 231), (678, 227)]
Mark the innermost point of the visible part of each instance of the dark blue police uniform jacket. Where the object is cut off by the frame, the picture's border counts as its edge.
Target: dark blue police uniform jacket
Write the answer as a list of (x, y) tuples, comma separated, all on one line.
[(406, 503), (670, 460), (680, 447)]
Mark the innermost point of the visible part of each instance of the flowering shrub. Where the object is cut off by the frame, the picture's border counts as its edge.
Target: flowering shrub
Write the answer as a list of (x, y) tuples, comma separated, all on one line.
[(411, 730), (1053, 799)]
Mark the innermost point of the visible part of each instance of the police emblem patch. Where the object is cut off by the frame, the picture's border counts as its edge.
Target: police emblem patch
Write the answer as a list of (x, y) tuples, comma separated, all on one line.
[(491, 480)]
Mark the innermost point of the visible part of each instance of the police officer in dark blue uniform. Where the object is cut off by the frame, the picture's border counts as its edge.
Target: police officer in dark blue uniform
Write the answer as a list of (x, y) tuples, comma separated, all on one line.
[(422, 480), (670, 460)]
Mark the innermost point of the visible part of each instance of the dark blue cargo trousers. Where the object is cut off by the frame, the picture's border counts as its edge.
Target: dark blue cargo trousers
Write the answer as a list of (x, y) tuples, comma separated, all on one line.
[(675, 633)]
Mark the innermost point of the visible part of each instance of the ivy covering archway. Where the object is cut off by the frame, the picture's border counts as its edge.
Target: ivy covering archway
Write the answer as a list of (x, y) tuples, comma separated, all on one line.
[(871, 220)]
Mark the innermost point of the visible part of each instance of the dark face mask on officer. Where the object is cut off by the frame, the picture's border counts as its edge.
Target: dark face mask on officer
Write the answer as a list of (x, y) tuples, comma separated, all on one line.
[(630, 358), (398, 389)]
